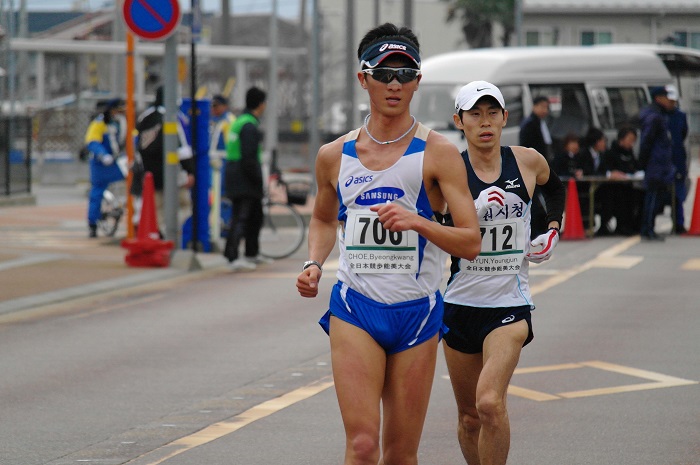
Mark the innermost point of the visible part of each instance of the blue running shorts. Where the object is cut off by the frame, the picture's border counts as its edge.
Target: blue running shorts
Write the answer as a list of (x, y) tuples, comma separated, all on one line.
[(395, 327)]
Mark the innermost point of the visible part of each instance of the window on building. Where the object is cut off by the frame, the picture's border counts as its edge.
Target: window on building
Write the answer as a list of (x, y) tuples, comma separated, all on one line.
[(687, 39), (596, 37), (534, 38)]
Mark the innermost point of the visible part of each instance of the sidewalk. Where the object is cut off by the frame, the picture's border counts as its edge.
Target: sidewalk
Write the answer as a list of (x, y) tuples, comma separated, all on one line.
[(46, 256)]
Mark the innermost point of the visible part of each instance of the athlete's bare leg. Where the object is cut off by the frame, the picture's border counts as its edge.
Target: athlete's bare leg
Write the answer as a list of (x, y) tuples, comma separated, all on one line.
[(359, 366), (464, 372), (409, 379), (483, 415)]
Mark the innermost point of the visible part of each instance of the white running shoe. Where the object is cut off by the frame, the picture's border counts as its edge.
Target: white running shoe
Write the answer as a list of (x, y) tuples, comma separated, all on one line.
[(260, 260), (242, 264)]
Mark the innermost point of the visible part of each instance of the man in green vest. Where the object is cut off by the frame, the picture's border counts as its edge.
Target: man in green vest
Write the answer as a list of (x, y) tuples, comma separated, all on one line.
[(243, 183)]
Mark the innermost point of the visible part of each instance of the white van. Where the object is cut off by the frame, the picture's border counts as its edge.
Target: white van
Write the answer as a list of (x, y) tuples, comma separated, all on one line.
[(603, 87)]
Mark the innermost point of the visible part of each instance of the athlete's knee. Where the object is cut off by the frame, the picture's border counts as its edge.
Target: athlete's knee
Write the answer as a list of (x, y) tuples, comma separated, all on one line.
[(491, 407), (469, 421), (364, 448)]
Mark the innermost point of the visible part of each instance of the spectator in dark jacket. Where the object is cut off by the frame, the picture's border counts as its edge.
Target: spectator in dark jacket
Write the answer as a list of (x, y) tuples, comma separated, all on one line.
[(626, 199), (150, 144), (590, 162), (656, 156), (565, 163), (534, 133), (244, 183), (678, 125)]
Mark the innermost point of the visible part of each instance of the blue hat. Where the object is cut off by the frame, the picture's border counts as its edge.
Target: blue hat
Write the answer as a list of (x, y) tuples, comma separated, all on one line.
[(657, 91), (114, 103), (376, 53), (220, 99)]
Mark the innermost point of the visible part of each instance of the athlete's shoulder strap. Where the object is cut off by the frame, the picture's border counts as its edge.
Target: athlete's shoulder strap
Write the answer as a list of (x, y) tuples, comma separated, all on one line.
[(422, 132), (352, 135)]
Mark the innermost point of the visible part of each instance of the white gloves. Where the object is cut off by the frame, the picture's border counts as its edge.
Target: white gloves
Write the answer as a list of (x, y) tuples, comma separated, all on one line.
[(184, 152), (547, 241), (491, 197), (107, 159)]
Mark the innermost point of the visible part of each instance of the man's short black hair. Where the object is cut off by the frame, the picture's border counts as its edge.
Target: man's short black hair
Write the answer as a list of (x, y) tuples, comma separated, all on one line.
[(254, 98), (539, 99), (624, 130), (387, 31)]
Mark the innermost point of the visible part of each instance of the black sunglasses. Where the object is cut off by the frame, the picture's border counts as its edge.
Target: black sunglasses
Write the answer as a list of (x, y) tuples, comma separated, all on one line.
[(386, 75)]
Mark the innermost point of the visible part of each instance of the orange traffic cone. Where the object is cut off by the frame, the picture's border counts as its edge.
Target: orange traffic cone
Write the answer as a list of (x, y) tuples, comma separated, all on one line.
[(694, 229), (148, 249), (573, 222)]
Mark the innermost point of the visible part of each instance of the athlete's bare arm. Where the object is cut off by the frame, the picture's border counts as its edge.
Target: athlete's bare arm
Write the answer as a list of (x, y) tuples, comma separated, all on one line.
[(533, 166), (324, 222), (445, 180), (535, 169)]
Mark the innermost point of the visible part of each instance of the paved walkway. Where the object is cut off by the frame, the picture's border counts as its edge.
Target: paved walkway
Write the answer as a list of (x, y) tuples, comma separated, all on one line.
[(46, 256)]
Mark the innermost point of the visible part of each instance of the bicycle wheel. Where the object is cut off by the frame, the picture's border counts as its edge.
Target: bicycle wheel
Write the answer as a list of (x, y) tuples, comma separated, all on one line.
[(110, 214), (283, 230)]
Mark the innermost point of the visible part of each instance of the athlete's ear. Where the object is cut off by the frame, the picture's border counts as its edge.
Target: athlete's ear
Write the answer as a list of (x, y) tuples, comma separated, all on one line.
[(458, 122), (362, 77), (505, 117)]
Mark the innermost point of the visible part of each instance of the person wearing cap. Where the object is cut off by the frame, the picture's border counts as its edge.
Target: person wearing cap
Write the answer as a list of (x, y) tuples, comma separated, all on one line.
[(656, 157), (678, 126), (488, 302), (104, 141), (380, 189)]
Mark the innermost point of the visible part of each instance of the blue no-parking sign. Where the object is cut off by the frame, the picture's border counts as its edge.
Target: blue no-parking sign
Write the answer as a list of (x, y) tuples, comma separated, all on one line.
[(152, 19)]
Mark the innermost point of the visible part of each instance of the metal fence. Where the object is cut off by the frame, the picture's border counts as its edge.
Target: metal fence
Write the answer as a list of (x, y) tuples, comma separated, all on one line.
[(15, 155)]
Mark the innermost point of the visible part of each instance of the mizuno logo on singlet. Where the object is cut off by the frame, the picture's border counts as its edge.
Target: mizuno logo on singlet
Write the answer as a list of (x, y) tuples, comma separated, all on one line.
[(511, 183)]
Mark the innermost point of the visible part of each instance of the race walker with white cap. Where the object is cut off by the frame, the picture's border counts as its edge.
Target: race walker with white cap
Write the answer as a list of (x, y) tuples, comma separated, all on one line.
[(487, 302)]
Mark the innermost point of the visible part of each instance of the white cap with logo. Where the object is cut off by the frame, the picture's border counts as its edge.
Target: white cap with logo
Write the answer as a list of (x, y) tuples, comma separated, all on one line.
[(472, 92), (671, 92)]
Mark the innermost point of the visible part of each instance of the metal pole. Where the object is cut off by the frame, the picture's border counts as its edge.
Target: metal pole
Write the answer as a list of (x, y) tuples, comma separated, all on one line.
[(271, 136), (171, 160), (408, 13), (518, 23), (376, 13), (314, 136), (194, 36), (350, 64)]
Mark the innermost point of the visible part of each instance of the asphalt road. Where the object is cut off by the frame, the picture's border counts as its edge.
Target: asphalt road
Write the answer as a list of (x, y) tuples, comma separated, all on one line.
[(222, 368)]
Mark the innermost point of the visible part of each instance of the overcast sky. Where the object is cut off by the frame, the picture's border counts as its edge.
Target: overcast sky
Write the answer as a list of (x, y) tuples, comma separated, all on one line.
[(288, 8)]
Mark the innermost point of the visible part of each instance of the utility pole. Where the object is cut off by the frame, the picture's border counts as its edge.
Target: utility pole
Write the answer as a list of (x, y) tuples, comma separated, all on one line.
[(271, 109), (314, 135), (408, 13), (350, 63)]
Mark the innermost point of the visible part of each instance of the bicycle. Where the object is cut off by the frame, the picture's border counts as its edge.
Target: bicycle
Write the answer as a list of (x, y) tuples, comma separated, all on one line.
[(284, 229), (111, 211)]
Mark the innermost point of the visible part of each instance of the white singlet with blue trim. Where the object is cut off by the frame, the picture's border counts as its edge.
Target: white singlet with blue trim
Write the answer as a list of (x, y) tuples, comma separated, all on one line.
[(386, 267), (498, 276)]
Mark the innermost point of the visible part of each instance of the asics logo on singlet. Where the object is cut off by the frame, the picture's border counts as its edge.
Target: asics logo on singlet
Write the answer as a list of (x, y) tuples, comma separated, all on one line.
[(511, 183), (379, 195), (358, 180), (508, 319), (392, 47)]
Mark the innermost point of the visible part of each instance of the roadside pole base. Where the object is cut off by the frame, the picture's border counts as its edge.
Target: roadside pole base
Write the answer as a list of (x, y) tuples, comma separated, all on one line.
[(185, 260)]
